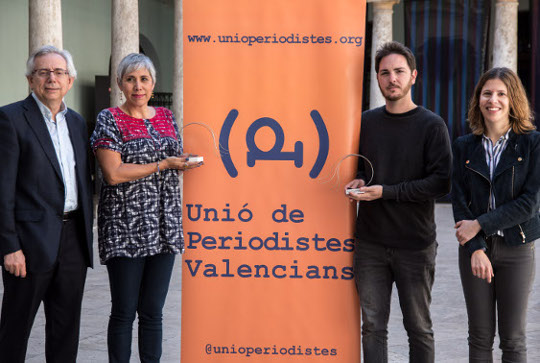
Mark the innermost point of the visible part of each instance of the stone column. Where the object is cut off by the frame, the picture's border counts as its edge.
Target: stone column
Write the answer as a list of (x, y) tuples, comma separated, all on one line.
[(178, 74), (505, 36), (124, 38), (45, 23), (178, 98), (382, 33)]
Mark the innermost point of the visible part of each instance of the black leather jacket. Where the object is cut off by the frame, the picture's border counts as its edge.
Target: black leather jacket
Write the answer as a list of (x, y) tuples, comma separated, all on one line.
[(516, 184)]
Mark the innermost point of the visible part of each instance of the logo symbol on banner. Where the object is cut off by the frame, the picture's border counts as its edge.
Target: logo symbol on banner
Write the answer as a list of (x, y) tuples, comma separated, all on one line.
[(276, 152)]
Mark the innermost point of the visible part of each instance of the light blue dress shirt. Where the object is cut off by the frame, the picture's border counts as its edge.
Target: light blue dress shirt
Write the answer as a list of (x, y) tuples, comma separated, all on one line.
[(64, 152)]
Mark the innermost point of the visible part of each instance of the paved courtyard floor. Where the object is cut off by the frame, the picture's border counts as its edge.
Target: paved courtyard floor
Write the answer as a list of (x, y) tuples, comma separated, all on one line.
[(448, 312)]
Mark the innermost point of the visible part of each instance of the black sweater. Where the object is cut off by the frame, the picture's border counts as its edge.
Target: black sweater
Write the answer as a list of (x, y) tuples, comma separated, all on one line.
[(412, 159)]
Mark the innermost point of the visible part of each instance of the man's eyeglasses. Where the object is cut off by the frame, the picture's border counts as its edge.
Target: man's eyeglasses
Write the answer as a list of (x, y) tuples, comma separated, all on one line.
[(46, 73)]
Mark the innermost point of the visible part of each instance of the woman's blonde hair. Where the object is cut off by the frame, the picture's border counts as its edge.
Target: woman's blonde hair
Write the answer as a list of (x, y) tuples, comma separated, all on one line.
[(520, 111)]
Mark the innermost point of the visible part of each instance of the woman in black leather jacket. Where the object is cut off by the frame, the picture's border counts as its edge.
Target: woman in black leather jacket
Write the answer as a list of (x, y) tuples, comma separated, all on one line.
[(496, 201)]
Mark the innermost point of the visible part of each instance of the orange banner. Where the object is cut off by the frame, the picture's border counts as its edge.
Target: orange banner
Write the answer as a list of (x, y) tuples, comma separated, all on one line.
[(267, 271)]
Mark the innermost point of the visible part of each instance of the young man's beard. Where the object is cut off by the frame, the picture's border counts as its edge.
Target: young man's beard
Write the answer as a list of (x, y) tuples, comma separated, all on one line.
[(398, 96)]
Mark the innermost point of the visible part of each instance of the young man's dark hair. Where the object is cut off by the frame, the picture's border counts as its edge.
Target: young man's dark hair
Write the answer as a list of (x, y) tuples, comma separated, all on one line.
[(394, 48)]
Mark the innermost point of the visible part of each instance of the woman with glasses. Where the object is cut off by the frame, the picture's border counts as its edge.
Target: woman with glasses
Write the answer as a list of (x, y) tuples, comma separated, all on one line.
[(496, 199), (140, 211)]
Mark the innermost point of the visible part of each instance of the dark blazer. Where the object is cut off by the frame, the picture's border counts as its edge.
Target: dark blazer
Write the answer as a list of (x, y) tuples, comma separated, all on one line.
[(516, 184), (31, 186)]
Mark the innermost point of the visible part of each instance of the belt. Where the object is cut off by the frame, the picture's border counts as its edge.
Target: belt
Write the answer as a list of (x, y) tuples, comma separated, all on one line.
[(494, 237), (70, 215)]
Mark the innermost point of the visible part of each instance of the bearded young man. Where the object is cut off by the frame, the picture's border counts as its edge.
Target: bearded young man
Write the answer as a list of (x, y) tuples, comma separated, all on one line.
[(409, 149)]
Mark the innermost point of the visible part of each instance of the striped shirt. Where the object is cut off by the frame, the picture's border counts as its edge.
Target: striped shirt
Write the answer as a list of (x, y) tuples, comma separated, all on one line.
[(493, 155)]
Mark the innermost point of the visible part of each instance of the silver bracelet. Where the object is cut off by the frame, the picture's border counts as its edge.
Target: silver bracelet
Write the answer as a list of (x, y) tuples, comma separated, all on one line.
[(158, 167)]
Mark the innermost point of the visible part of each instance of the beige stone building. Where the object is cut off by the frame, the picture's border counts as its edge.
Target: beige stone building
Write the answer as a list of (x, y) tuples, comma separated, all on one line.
[(100, 32)]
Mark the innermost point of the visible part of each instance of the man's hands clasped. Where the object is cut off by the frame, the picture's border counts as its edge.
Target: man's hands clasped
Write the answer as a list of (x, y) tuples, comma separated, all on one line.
[(365, 193)]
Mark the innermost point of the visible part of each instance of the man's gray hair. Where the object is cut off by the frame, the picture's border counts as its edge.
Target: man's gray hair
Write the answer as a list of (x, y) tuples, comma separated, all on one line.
[(49, 49), (133, 62)]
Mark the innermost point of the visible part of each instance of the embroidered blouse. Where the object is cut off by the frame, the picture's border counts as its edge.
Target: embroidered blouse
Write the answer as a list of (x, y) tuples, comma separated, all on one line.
[(142, 217)]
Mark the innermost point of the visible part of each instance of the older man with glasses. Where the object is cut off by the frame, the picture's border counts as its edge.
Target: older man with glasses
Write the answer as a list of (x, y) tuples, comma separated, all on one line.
[(45, 211)]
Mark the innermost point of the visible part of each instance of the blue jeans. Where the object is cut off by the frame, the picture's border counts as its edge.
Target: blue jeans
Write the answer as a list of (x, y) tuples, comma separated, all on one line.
[(138, 285), (504, 300), (376, 269)]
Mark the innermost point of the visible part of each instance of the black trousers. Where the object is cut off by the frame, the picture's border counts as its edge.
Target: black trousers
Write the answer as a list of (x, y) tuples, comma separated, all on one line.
[(504, 301), (376, 269), (60, 289)]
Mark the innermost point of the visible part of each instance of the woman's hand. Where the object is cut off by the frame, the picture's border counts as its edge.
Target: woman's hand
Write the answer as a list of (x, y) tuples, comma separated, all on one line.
[(179, 163), (191, 164), (116, 172), (481, 266), (466, 230)]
